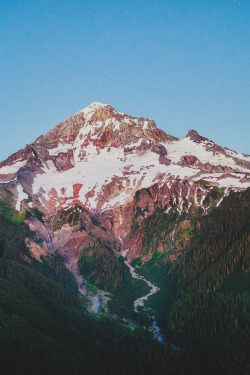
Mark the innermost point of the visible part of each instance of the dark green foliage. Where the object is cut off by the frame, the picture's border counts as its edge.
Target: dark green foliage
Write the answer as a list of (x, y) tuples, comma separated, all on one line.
[(204, 183), (12, 234), (214, 331), (203, 305), (137, 262), (54, 268), (211, 327), (44, 330), (6, 207), (69, 216), (122, 301), (100, 266), (158, 272), (12, 246), (221, 245), (237, 282), (38, 214), (155, 226), (213, 196)]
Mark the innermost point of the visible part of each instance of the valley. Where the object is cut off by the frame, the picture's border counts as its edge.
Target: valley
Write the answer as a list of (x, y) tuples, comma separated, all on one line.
[(139, 302), (125, 243)]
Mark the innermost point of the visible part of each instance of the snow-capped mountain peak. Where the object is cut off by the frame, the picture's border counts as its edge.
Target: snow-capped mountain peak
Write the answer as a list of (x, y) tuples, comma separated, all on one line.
[(99, 158), (92, 108)]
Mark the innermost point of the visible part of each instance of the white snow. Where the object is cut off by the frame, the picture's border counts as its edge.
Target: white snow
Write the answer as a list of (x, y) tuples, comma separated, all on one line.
[(185, 146), (21, 195), (90, 110), (11, 169), (96, 168), (233, 182), (237, 155), (154, 289), (64, 148)]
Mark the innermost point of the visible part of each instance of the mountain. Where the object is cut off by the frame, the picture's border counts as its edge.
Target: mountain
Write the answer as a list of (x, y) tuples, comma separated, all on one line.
[(111, 164), (99, 158), (108, 216)]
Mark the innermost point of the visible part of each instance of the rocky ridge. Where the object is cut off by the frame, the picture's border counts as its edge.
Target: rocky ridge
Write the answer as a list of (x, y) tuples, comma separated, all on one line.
[(121, 169)]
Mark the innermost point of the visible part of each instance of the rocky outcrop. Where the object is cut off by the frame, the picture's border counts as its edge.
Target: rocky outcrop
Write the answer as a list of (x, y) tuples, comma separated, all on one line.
[(193, 161), (121, 169)]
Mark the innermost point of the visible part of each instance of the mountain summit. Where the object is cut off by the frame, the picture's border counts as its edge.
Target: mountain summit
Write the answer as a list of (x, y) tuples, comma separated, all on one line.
[(109, 207), (99, 158)]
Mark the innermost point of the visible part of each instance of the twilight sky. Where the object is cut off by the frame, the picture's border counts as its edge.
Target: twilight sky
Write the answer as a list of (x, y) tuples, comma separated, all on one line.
[(184, 64)]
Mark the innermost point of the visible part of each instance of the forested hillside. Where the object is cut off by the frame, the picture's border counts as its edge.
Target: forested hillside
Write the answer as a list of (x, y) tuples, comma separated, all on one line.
[(203, 307), (204, 302)]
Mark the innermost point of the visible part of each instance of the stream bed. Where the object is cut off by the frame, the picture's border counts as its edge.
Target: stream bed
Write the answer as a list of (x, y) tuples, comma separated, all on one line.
[(140, 301)]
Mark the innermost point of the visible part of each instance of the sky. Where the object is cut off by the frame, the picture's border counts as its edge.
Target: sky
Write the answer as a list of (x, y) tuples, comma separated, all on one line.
[(184, 64)]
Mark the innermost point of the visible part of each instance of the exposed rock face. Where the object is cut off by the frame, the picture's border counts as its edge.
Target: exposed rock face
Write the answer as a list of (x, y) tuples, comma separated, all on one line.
[(242, 160), (125, 221), (195, 136), (119, 168), (193, 161), (67, 233)]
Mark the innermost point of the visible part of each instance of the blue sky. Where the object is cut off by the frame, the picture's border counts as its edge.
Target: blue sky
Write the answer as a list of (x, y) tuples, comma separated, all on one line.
[(185, 64)]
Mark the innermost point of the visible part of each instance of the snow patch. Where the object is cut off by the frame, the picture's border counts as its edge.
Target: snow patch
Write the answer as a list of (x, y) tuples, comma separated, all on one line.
[(90, 110), (11, 169), (61, 148), (21, 196), (185, 146)]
